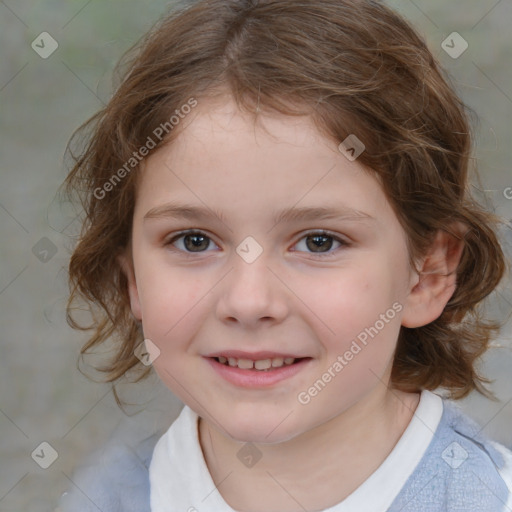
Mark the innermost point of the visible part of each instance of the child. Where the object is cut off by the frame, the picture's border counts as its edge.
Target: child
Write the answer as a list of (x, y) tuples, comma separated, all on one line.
[(245, 138)]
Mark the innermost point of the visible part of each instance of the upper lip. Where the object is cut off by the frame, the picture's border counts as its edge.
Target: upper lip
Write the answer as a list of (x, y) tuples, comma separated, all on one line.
[(253, 356)]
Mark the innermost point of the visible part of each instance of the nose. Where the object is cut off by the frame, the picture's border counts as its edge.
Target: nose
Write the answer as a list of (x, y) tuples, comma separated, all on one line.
[(252, 295)]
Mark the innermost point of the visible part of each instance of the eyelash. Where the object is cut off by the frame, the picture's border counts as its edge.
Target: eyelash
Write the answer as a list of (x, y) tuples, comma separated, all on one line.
[(330, 253)]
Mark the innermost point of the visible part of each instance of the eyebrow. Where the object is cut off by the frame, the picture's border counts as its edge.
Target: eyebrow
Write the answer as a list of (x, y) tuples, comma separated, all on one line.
[(201, 213)]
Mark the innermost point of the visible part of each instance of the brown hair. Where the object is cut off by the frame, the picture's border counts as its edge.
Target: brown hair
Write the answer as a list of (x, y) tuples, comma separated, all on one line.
[(355, 67)]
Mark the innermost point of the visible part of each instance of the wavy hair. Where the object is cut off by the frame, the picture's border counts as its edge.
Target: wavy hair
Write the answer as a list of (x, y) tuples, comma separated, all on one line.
[(355, 67)]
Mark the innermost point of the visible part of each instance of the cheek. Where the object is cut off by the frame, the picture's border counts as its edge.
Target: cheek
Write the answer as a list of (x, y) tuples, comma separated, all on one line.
[(349, 302), (357, 357), (173, 305), (359, 327), (171, 302)]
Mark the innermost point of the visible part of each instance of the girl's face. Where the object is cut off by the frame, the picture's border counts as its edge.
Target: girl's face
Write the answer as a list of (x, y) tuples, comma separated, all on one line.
[(293, 253)]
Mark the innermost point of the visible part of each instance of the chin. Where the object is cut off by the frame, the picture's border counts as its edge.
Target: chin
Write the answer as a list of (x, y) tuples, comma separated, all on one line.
[(254, 429), (259, 437)]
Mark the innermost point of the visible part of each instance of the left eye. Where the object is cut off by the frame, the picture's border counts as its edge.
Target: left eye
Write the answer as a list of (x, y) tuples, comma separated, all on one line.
[(319, 242)]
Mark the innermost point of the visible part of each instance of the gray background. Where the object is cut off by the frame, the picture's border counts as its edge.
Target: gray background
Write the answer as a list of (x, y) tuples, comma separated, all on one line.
[(43, 397)]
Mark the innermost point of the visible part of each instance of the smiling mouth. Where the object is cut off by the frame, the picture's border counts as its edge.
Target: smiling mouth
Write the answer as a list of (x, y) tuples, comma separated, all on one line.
[(259, 365)]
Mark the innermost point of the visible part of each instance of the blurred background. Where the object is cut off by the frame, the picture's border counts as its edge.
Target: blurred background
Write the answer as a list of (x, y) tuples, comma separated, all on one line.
[(51, 83)]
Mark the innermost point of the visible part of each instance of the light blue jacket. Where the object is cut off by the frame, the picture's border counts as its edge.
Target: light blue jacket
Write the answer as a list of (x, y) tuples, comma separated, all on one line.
[(117, 479)]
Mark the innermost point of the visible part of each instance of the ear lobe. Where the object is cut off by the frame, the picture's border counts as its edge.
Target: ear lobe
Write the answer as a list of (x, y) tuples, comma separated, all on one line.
[(125, 260), (436, 282)]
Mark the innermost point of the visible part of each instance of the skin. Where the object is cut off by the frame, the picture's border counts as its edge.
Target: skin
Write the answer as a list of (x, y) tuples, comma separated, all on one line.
[(289, 299)]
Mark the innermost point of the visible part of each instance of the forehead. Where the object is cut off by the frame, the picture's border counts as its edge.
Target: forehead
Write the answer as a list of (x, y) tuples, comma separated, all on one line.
[(219, 120), (227, 158)]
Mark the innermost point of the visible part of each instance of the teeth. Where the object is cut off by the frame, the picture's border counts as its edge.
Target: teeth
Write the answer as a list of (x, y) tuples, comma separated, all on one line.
[(261, 364), (278, 361), (264, 364)]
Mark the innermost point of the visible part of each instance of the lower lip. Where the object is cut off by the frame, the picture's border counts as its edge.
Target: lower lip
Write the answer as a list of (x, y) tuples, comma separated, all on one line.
[(256, 378)]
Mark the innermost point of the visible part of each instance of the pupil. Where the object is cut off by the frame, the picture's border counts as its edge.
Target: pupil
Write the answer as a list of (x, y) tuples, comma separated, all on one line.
[(318, 241), (197, 240)]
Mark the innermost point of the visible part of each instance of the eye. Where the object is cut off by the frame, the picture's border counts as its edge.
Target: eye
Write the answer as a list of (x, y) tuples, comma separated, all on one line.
[(317, 242), (193, 241), (320, 243)]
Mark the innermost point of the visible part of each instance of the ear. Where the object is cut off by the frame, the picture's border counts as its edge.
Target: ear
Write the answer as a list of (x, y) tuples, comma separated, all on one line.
[(436, 282), (125, 260)]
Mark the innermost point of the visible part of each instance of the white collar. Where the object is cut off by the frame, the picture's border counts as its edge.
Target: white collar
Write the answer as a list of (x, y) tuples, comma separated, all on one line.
[(180, 480)]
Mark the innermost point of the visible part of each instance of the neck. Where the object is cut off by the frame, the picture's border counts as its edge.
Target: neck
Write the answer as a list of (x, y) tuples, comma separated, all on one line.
[(316, 469)]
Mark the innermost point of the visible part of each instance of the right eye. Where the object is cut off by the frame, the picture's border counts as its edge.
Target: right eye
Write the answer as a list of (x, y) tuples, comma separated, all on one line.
[(190, 241)]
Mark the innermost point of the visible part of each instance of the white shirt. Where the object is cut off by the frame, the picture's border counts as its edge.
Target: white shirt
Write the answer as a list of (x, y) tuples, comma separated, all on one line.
[(180, 480)]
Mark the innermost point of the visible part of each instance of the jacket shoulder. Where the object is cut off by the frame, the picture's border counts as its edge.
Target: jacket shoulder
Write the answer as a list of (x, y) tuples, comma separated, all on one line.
[(114, 478), (460, 471)]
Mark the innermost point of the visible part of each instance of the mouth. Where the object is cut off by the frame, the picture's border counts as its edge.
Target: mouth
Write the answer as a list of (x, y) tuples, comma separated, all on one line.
[(258, 365), (263, 371)]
